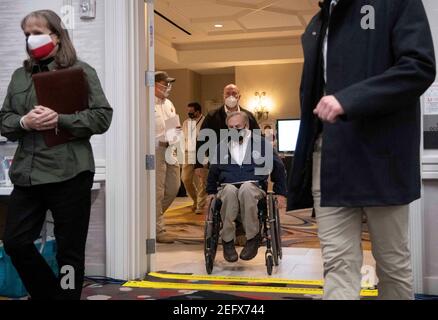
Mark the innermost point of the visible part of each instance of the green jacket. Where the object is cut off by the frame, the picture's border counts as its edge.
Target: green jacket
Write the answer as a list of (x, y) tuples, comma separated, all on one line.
[(34, 163)]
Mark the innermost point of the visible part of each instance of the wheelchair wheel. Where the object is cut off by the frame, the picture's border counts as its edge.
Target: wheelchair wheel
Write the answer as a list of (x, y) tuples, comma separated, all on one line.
[(278, 231), (211, 235), (209, 263), (273, 229), (269, 263)]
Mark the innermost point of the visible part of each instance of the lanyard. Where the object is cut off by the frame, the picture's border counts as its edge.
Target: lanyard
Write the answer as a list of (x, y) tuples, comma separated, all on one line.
[(200, 119)]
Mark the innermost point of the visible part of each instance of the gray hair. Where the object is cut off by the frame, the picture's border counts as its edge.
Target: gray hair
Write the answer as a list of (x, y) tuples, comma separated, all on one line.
[(238, 113)]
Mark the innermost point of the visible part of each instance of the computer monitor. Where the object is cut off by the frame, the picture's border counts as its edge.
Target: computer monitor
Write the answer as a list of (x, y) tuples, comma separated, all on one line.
[(287, 135)]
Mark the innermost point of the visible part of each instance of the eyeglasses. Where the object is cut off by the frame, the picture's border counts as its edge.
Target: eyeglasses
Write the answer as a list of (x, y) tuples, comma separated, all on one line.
[(168, 86)]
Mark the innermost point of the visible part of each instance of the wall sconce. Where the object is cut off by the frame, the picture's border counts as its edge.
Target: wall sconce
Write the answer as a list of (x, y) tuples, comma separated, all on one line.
[(260, 110)]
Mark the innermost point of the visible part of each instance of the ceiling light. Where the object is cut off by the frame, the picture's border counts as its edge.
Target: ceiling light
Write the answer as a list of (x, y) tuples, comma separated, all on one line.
[(218, 25)]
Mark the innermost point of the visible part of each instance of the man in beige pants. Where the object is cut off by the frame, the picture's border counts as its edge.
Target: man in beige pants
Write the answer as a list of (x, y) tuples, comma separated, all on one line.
[(167, 167), (358, 152), (340, 234)]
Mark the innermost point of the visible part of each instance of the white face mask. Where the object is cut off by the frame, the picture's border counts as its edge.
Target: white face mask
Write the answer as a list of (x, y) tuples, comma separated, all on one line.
[(231, 102), (166, 91)]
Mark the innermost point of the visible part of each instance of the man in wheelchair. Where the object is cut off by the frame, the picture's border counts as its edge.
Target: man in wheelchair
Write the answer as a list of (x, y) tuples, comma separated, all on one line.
[(238, 177)]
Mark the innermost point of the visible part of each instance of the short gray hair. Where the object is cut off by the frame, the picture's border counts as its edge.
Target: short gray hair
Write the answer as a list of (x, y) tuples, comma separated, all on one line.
[(238, 113)]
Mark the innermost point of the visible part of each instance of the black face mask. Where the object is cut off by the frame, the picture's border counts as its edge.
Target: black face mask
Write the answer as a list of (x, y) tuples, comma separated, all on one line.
[(241, 134), (192, 115), (242, 131)]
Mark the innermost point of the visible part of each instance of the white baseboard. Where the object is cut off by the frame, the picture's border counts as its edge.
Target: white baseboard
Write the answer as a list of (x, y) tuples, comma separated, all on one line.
[(431, 285), (100, 175), (95, 270)]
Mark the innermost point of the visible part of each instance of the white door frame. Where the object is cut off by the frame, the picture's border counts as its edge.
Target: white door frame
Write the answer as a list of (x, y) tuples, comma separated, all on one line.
[(416, 243), (416, 227), (130, 188)]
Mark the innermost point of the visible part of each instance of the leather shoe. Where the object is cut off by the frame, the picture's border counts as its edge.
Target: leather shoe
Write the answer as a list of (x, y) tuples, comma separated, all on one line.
[(251, 248), (230, 253)]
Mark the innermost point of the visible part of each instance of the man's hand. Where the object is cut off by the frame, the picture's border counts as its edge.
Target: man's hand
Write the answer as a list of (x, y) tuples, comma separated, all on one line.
[(329, 109), (41, 119)]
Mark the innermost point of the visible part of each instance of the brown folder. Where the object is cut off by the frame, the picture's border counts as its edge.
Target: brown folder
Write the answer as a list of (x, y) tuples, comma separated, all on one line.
[(64, 91)]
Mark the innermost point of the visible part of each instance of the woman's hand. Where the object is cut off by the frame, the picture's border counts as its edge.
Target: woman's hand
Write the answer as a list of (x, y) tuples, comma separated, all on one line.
[(41, 119)]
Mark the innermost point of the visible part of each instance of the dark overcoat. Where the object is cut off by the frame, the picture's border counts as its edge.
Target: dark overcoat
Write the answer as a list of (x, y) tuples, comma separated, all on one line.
[(371, 156)]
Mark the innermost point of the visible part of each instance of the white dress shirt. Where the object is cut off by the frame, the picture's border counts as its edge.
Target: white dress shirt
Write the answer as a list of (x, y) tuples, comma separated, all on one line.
[(191, 128), (238, 150), (325, 45)]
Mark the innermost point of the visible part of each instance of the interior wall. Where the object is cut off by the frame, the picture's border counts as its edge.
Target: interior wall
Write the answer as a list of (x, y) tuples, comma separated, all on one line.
[(281, 82), (89, 40), (186, 89), (213, 87)]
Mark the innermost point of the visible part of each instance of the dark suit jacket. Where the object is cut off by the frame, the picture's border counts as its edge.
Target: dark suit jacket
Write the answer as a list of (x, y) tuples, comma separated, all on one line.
[(216, 121), (371, 156)]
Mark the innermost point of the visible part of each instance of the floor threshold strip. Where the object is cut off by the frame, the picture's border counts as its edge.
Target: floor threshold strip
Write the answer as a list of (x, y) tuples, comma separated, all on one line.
[(233, 287), (234, 279)]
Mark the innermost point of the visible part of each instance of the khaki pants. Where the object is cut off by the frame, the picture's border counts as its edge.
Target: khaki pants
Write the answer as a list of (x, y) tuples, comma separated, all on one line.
[(340, 230), (167, 185), (245, 200), (195, 187)]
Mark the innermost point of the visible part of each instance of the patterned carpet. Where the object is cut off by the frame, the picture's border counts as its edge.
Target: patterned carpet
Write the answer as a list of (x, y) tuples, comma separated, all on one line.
[(299, 229), (102, 291)]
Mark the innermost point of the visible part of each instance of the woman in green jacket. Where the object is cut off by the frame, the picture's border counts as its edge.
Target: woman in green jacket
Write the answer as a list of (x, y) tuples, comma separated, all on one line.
[(57, 178)]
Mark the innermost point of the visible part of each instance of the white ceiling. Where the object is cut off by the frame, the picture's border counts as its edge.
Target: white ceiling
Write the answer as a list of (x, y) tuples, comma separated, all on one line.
[(267, 30)]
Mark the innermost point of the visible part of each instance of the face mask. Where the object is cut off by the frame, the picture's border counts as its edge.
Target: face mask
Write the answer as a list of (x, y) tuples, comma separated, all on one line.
[(241, 133), (166, 91), (231, 102), (40, 46)]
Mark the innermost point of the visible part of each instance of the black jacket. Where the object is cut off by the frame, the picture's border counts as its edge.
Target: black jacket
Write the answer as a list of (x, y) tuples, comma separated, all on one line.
[(223, 168), (370, 157), (216, 121)]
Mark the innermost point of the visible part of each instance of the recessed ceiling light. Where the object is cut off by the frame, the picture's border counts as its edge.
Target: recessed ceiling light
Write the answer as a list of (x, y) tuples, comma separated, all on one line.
[(218, 25)]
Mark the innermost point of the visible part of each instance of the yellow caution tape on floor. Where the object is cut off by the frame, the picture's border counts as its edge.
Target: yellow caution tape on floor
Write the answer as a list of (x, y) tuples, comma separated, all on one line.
[(234, 279), (234, 288)]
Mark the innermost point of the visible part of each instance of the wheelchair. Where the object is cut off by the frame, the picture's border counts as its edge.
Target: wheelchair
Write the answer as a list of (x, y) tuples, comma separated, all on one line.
[(269, 220)]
